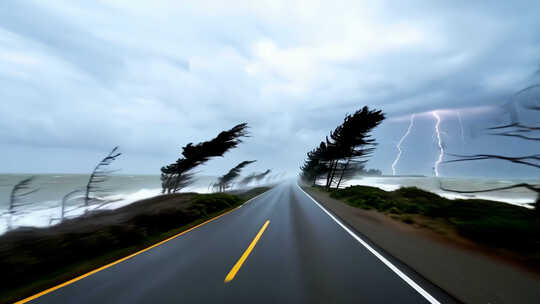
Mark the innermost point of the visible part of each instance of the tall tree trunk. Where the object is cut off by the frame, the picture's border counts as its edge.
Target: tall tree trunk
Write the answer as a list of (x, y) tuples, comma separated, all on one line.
[(333, 174), (171, 183), (343, 172), (176, 182), (329, 173)]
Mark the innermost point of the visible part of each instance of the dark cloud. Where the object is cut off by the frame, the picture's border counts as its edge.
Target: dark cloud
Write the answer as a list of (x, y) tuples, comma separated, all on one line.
[(57, 37), (80, 78)]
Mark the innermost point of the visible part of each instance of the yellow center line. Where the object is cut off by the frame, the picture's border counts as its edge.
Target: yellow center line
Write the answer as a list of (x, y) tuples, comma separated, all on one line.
[(119, 261), (49, 290), (244, 256)]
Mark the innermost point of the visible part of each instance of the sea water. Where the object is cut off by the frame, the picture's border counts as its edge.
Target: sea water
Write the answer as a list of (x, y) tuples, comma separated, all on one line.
[(42, 208)]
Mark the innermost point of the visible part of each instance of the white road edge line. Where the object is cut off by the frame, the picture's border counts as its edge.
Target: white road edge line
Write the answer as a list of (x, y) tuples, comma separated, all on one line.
[(396, 270)]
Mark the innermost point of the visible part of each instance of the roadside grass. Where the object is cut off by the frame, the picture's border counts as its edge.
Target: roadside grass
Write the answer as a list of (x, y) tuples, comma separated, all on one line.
[(34, 259), (496, 224)]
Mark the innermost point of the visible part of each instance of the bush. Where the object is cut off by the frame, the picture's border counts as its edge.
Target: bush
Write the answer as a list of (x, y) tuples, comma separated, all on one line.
[(494, 223)]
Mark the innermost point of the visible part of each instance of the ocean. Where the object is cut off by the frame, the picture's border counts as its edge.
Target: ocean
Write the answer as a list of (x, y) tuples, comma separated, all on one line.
[(45, 203), (44, 207)]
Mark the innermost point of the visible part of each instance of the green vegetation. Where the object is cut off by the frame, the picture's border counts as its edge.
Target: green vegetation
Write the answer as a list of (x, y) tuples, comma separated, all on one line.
[(495, 224), (37, 258)]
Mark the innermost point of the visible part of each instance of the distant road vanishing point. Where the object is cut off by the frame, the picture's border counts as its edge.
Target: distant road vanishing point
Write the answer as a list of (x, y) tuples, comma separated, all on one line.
[(280, 247)]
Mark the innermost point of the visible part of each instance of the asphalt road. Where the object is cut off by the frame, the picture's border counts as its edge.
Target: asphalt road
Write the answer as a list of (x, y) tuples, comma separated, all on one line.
[(302, 256)]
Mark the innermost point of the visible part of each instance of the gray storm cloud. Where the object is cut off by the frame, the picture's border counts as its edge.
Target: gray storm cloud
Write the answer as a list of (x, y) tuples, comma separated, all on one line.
[(79, 78)]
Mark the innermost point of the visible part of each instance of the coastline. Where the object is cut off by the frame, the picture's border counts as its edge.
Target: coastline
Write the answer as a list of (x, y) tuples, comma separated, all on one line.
[(44, 205), (466, 270), (519, 197)]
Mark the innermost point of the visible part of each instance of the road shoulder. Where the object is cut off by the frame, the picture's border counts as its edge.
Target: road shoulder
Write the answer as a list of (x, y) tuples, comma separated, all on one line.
[(466, 274)]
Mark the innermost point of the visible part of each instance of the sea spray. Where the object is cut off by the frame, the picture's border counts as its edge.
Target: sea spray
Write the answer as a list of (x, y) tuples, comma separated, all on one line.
[(124, 189)]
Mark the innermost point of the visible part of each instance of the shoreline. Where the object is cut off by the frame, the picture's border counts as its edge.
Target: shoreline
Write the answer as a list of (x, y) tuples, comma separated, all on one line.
[(464, 269), (429, 184)]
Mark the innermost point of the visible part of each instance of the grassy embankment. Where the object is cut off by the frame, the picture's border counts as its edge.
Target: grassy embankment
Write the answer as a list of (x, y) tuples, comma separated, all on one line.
[(500, 226), (33, 259)]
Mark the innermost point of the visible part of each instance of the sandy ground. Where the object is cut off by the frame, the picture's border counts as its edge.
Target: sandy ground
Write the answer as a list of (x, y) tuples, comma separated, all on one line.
[(462, 269)]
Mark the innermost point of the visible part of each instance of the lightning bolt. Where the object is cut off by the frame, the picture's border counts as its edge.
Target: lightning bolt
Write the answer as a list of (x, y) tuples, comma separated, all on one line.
[(439, 142), (398, 146)]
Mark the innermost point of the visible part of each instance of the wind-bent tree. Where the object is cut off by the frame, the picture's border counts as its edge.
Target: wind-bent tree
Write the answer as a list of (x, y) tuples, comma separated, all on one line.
[(261, 176), (17, 197), (344, 153), (514, 129), (315, 165), (63, 204), (172, 182), (248, 179), (178, 174), (254, 177), (353, 141), (225, 181), (312, 168), (94, 192)]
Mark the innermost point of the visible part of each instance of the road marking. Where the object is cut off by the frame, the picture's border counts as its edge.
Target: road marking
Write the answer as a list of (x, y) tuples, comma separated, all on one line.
[(392, 267), (244, 256), (127, 257)]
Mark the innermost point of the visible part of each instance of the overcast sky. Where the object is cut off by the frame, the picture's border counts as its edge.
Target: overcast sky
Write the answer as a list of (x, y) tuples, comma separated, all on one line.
[(79, 77)]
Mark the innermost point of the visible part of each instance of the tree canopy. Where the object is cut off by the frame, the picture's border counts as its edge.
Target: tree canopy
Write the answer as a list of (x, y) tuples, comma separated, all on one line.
[(178, 175), (255, 177), (224, 182), (342, 154)]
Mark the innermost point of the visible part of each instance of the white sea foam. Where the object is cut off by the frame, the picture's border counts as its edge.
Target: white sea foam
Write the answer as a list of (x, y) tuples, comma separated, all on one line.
[(521, 198), (45, 213)]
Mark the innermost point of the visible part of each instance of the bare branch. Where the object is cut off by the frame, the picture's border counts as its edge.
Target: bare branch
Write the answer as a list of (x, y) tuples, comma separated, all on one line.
[(20, 191), (515, 124), (519, 160), (522, 185), (516, 135), (526, 89)]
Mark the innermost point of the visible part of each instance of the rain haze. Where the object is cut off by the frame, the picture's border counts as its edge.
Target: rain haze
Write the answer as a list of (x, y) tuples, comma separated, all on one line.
[(81, 77)]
